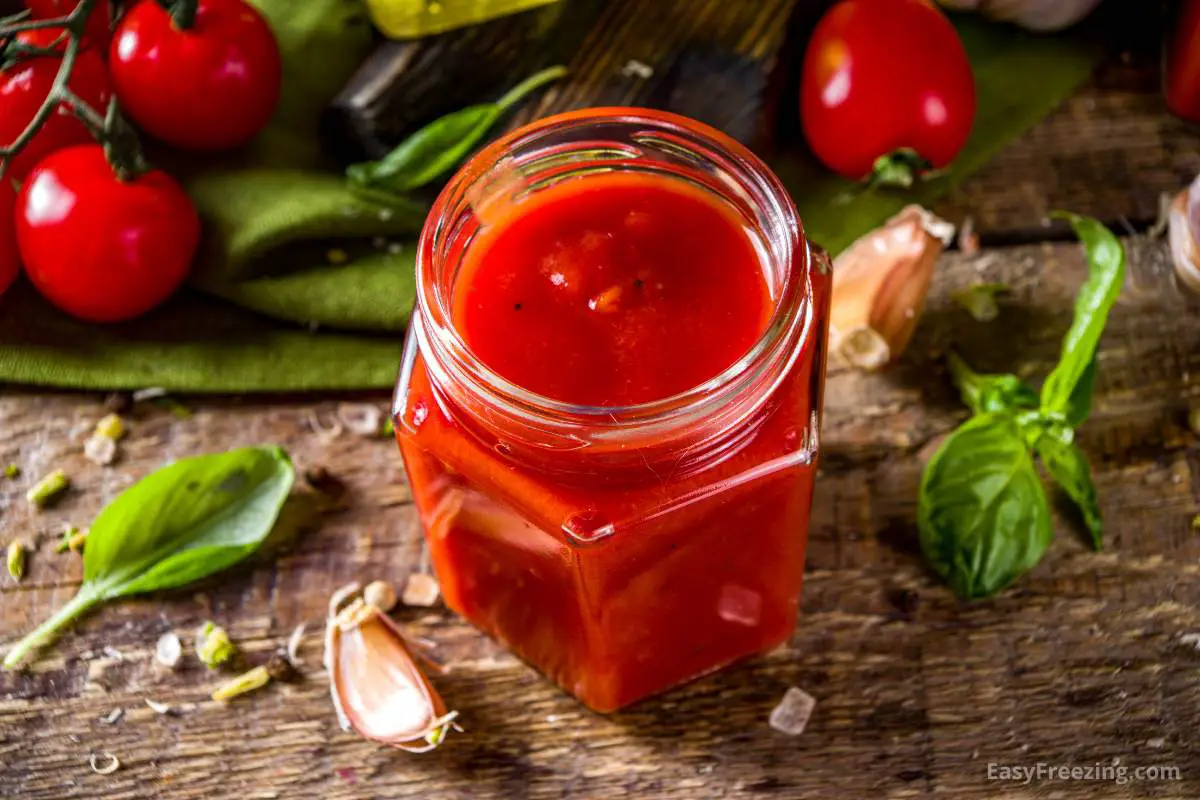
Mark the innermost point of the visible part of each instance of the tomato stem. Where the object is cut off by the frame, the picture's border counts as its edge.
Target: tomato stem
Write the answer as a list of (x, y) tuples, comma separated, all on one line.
[(183, 13), (899, 169), (122, 149)]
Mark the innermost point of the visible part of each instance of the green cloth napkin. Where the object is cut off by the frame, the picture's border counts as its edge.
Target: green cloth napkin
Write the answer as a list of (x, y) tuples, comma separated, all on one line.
[(303, 285)]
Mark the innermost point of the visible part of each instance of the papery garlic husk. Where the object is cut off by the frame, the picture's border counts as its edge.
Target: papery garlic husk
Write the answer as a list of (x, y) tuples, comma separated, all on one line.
[(879, 287), (1034, 15), (377, 687), (1183, 226)]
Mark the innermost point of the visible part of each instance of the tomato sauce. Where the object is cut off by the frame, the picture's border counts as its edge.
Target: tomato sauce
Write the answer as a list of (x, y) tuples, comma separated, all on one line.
[(619, 566), (612, 291)]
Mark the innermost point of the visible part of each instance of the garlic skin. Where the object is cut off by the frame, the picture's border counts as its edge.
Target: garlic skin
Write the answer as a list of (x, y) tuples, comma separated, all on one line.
[(1042, 16), (1183, 226), (377, 688), (879, 287)]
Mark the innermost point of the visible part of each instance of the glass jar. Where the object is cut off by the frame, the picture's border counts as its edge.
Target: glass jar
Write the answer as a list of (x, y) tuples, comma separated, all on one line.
[(621, 551)]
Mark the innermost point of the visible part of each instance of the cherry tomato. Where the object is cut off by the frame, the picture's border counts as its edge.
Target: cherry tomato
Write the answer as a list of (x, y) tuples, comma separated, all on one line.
[(99, 22), (211, 87), (101, 249), (882, 76), (9, 264), (45, 37), (24, 87)]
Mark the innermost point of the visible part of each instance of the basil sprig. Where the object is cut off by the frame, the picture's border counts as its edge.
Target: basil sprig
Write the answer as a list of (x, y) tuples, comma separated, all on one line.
[(177, 525), (982, 511), (441, 145)]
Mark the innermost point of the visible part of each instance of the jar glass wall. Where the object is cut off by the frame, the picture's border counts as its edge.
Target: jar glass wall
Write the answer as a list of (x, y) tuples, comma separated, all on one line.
[(620, 550)]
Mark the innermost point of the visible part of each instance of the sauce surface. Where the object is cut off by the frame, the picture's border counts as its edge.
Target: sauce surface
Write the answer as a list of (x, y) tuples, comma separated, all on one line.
[(612, 290)]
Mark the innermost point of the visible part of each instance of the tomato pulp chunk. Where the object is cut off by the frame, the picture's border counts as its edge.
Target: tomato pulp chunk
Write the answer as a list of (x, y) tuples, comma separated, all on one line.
[(617, 582)]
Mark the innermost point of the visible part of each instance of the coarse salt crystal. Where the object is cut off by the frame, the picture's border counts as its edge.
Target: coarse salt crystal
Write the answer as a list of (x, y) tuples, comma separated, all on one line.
[(364, 419), (100, 449), (168, 650), (792, 714), (421, 590)]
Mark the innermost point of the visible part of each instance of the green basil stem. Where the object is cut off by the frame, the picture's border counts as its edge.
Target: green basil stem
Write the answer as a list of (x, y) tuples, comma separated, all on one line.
[(49, 630), (530, 84)]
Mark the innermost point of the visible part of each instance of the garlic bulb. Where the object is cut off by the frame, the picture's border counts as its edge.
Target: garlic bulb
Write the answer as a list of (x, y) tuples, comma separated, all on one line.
[(1183, 224), (879, 287), (376, 685), (1035, 15)]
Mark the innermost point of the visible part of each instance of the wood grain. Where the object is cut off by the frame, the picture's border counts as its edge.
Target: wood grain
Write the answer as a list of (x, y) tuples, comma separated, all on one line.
[(1086, 661)]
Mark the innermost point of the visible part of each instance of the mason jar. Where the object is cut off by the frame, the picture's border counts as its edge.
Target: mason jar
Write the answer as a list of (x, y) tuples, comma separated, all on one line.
[(620, 550)]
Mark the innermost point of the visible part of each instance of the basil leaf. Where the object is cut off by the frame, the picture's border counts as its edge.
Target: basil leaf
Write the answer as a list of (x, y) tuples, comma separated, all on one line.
[(984, 393), (983, 516), (182, 523), (442, 144), (1067, 464), (1106, 275), (1079, 405)]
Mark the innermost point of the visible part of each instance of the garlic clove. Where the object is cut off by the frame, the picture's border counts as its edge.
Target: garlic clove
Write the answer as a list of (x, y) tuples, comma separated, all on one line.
[(879, 286), (1183, 226), (377, 688)]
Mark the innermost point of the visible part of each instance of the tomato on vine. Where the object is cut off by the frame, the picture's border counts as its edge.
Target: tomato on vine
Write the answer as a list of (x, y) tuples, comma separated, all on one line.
[(9, 263), (24, 87), (886, 90), (98, 247), (209, 83), (46, 38), (99, 22)]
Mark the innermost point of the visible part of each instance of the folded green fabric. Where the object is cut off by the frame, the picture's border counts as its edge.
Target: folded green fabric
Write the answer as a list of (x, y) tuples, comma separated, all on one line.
[(304, 285)]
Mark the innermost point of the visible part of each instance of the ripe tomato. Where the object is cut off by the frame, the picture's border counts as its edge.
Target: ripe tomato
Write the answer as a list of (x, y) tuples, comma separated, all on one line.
[(44, 37), (99, 22), (101, 249), (9, 264), (210, 87), (23, 88), (882, 76)]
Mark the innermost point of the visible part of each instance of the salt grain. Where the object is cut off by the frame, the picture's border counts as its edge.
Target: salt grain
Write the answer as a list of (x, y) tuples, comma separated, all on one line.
[(421, 590), (364, 419), (151, 393), (792, 714), (168, 650), (637, 69), (100, 449)]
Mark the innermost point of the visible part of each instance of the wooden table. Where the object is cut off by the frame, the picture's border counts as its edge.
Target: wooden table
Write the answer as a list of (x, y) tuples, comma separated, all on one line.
[(1093, 659)]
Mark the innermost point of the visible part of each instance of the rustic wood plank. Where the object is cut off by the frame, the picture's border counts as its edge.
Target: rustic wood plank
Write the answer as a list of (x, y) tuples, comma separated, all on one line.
[(1085, 661)]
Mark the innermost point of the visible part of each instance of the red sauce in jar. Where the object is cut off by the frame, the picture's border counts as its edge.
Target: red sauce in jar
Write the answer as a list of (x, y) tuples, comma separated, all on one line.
[(612, 291), (619, 556)]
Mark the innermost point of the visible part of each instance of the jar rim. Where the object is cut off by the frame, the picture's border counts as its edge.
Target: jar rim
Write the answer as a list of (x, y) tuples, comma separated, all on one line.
[(435, 331)]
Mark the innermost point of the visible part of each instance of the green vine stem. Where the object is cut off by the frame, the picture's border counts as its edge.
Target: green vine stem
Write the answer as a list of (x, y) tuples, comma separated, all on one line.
[(128, 161)]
